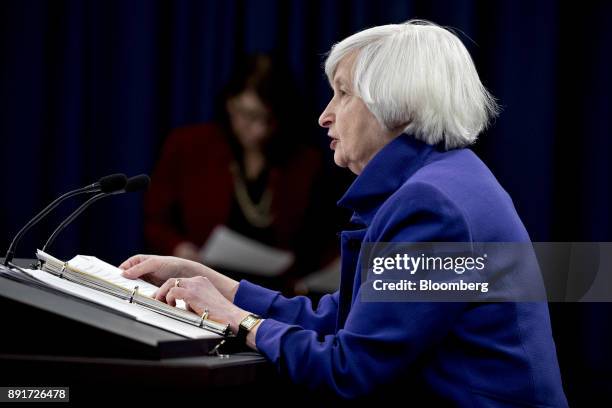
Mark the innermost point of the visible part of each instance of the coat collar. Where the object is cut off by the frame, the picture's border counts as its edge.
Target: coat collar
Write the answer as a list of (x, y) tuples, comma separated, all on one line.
[(383, 175)]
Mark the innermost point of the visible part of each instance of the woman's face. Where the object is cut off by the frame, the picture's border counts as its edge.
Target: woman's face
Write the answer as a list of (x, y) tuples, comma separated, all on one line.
[(356, 134), (251, 121)]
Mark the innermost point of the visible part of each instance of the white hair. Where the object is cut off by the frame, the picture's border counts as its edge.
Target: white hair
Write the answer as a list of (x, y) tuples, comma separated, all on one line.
[(420, 77)]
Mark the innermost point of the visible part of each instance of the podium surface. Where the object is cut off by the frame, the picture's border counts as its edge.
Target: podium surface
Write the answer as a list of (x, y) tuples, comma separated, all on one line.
[(53, 339)]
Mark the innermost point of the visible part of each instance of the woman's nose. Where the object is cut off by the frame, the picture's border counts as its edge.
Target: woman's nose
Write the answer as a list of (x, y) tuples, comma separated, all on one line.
[(326, 118)]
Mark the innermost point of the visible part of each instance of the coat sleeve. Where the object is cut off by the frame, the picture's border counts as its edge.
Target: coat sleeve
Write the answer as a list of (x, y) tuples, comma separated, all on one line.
[(296, 311), (379, 340)]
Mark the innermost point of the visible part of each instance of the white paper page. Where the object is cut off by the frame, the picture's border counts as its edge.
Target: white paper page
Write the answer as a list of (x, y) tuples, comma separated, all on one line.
[(106, 271), (138, 312), (15, 273), (230, 250), (103, 270)]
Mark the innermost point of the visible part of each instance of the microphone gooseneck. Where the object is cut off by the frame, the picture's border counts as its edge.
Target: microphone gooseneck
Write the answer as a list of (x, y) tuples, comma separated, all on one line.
[(71, 218)]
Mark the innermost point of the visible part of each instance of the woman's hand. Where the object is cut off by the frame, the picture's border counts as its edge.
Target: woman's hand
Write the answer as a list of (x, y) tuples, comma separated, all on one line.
[(201, 295), (158, 269)]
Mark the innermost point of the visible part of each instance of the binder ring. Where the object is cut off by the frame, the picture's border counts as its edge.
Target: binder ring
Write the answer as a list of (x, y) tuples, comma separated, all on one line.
[(204, 317), (133, 294), (64, 265)]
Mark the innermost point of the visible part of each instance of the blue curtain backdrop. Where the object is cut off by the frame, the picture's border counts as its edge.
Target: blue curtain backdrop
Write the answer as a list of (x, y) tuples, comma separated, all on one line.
[(93, 87)]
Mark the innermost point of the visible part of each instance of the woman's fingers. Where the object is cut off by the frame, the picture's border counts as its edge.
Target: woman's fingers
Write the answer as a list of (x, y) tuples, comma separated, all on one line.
[(175, 293), (134, 260), (188, 290), (191, 290), (144, 267), (163, 290)]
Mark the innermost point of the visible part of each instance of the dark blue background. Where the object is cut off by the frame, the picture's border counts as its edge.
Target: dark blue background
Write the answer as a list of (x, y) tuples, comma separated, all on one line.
[(92, 87)]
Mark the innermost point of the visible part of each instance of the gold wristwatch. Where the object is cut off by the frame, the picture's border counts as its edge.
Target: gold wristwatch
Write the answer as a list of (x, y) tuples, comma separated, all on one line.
[(246, 325)]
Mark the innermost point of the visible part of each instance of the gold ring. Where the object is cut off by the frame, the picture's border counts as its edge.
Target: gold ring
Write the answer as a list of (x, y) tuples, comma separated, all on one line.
[(177, 282), (203, 317)]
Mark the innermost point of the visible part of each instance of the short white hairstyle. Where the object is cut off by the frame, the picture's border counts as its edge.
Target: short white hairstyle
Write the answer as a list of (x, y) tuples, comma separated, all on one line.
[(419, 76)]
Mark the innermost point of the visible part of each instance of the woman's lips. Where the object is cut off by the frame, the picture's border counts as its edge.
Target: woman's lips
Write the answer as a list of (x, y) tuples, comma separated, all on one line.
[(333, 143)]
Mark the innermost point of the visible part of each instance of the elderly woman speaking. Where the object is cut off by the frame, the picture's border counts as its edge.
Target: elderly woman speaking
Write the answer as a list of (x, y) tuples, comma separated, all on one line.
[(407, 101)]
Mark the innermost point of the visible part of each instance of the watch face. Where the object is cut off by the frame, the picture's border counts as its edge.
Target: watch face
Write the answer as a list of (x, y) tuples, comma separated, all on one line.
[(249, 321)]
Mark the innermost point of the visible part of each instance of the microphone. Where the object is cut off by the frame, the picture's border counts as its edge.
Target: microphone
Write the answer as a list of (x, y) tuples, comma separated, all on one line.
[(105, 184), (134, 184), (110, 183), (137, 183)]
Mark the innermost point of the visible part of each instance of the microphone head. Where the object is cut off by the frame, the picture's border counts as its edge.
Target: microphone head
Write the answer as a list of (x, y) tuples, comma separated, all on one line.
[(112, 183), (137, 183)]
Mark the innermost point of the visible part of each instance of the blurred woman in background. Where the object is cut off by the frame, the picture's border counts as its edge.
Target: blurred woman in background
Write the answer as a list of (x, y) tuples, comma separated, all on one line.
[(249, 171)]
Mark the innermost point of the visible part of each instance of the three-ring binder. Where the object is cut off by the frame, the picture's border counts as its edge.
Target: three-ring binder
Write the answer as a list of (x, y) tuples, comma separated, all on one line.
[(134, 292), (65, 271)]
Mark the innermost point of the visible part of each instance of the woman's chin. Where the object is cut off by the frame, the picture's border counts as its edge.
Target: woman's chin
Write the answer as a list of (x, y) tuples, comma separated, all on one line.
[(253, 142), (339, 160)]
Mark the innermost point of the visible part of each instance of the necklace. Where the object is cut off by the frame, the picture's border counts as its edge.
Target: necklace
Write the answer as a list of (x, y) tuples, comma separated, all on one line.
[(257, 214)]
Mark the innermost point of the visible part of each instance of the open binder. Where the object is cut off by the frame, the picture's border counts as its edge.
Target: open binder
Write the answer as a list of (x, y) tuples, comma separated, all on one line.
[(92, 273)]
